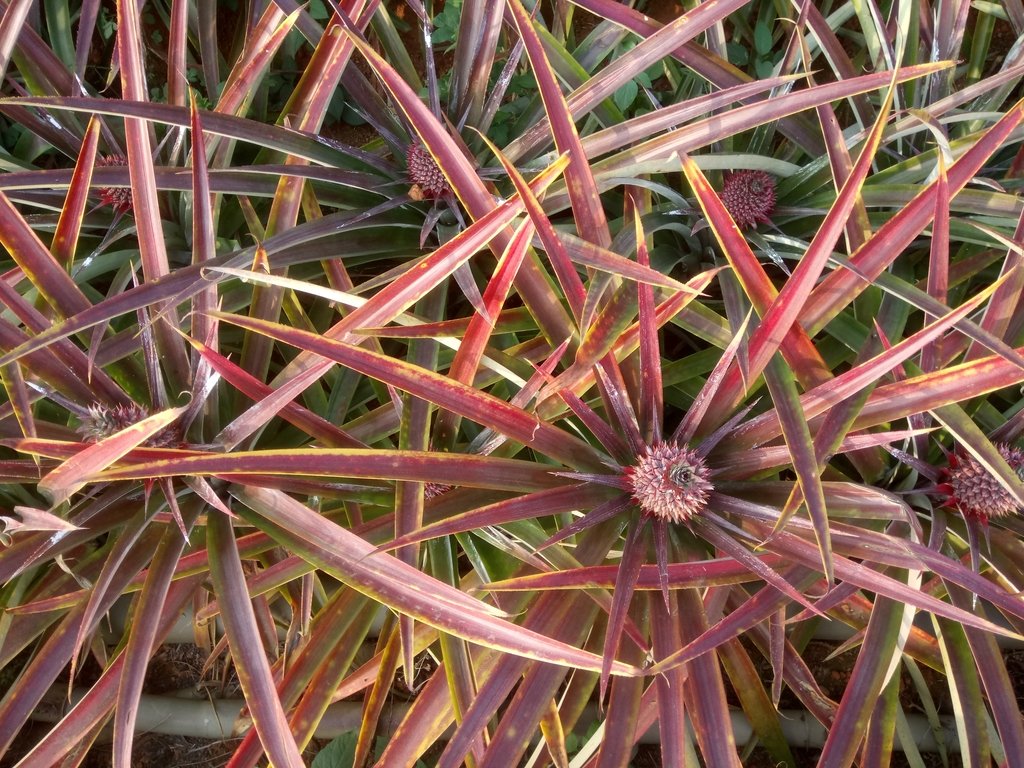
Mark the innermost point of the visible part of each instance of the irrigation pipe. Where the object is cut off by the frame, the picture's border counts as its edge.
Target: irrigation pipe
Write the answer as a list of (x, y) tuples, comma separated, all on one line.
[(185, 715)]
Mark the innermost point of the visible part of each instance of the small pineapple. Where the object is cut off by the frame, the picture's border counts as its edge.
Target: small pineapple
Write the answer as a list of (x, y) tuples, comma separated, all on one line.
[(749, 196), (976, 492), (426, 177), (101, 421), (670, 482), (119, 198)]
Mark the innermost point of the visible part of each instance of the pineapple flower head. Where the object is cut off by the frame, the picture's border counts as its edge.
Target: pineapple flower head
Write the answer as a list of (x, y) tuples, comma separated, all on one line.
[(101, 421), (119, 198), (975, 491), (425, 174), (749, 196), (433, 490), (670, 482)]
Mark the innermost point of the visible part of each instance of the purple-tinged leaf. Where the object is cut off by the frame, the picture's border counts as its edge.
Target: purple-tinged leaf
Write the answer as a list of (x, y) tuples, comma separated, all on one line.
[(540, 688), (715, 530), (414, 434), (388, 303), (634, 554), (602, 335), (691, 421), (693, 574), (471, 191), (615, 394), (672, 116), (662, 149), (145, 205), (796, 346), (29, 519), (845, 499), (39, 265), (553, 501), (623, 68), (473, 404), (847, 384), (755, 703), (582, 375), (403, 292), (282, 139), (651, 399), (430, 713), (508, 320), (705, 691), (670, 685), (858, 227), (605, 434), (61, 365), (797, 435), (86, 28), (938, 256), (65, 238), (145, 630), (870, 673), (846, 570), (405, 589), (583, 193), (455, 166), (177, 50), (64, 450), (14, 15), (313, 673), (247, 652), (840, 287), (623, 709), (568, 620), (92, 710), (19, 471), (51, 656), (18, 398), (780, 317), (469, 354), (476, 44), (880, 549), (559, 259), (204, 241), (590, 255), (262, 42), (1004, 308), (61, 483), (901, 554), (315, 426), (605, 511), (414, 466)]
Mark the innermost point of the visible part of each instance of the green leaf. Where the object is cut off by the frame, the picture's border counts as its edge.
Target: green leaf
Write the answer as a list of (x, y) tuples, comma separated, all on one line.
[(762, 39), (337, 754), (626, 95)]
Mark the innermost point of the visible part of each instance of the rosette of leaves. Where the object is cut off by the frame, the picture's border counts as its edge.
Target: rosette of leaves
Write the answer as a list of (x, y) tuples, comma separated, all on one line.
[(648, 479)]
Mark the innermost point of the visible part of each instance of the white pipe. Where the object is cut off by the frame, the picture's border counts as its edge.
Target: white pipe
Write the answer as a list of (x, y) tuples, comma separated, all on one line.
[(215, 719)]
